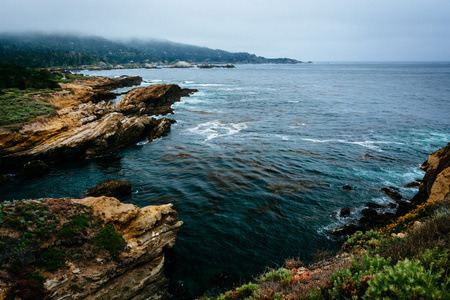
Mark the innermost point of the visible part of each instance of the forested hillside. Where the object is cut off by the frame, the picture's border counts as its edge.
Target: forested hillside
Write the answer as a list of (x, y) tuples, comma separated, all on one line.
[(42, 50)]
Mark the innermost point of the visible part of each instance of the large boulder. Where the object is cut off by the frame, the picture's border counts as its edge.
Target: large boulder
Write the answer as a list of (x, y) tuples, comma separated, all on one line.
[(93, 248), (152, 100), (111, 188), (435, 181)]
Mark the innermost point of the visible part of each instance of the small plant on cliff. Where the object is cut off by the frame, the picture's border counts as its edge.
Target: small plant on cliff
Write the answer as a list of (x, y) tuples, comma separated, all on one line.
[(74, 228), (52, 259), (108, 239), (369, 240), (284, 276), (406, 280), (243, 292)]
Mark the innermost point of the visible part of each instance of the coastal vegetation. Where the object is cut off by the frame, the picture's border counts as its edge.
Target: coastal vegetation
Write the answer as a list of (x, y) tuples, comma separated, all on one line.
[(24, 91), (40, 236), (408, 259), (63, 51)]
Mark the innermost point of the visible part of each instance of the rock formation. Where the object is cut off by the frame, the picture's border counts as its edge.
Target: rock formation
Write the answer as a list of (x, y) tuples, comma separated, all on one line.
[(111, 188), (76, 258), (87, 126), (436, 182), (434, 186)]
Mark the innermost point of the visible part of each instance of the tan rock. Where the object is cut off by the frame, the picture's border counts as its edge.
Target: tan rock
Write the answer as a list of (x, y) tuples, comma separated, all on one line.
[(441, 186)]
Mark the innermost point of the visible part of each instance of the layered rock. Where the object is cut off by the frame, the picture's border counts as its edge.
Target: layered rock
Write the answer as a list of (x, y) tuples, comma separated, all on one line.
[(436, 181), (87, 272), (82, 128)]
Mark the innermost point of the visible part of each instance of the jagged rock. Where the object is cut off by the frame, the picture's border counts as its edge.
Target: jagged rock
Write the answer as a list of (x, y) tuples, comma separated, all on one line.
[(159, 128), (187, 92), (436, 163), (392, 192), (136, 273), (35, 168), (111, 188), (346, 230), (154, 99), (345, 212), (412, 184), (374, 205), (369, 212), (80, 129)]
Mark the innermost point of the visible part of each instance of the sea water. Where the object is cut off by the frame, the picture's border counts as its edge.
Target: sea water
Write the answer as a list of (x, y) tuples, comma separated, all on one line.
[(257, 159)]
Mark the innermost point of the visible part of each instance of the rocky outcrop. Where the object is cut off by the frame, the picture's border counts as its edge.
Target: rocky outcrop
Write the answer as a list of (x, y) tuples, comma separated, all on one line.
[(436, 181), (434, 186), (111, 188), (82, 128), (73, 259), (155, 99)]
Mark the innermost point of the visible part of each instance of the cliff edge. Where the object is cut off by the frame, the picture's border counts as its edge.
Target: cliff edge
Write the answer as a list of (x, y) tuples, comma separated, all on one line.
[(91, 248), (87, 123)]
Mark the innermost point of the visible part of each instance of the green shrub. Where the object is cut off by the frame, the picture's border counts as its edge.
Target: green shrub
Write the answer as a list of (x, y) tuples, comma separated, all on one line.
[(284, 276), (436, 260), (242, 292), (74, 228), (108, 239), (406, 280), (370, 240), (52, 259), (352, 281)]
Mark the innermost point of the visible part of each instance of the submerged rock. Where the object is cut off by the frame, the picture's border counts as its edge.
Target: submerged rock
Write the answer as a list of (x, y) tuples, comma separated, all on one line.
[(345, 212), (392, 192), (35, 168), (412, 184), (111, 188)]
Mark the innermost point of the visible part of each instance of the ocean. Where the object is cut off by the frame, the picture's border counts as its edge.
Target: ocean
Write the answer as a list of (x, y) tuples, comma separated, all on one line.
[(256, 162)]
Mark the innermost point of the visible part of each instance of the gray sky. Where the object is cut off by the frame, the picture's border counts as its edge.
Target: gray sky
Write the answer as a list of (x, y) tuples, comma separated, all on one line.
[(318, 30)]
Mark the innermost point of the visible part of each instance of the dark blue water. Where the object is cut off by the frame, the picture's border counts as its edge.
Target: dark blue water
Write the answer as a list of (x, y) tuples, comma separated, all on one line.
[(258, 157)]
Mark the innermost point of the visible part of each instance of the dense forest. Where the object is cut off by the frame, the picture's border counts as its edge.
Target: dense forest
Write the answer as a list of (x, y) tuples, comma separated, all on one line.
[(42, 50)]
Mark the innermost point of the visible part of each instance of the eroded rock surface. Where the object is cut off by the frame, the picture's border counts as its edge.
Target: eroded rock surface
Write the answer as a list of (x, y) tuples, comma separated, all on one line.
[(436, 181), (87, 271), (84, 128)]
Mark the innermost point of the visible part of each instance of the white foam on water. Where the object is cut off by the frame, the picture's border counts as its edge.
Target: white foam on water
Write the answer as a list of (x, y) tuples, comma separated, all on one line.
[(292, 101), (214, 129), (367, 144), (210, 84), (230, 89)]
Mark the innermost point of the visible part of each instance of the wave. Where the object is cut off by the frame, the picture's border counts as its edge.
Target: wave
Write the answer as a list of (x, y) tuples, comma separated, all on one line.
[(216, 129), (367, 144)]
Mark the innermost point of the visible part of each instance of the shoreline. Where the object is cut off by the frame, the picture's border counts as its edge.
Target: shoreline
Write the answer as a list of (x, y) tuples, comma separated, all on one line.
[(86, 124)]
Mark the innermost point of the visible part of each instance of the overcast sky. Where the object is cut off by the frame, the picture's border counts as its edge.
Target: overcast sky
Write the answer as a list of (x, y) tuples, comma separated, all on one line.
[(318, 30)]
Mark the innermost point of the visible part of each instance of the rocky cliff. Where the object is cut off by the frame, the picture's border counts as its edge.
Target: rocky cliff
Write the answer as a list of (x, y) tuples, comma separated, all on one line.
[(87, 123), (92, 248), (436, 181)]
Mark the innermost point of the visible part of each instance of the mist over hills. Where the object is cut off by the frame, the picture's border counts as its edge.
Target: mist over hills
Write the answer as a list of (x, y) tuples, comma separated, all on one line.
[(51, 50)]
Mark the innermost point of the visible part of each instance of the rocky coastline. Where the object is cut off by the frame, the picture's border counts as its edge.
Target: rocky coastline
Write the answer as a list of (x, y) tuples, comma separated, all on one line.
[(91, 248), (434, 186), (87, 123), (96, 247)]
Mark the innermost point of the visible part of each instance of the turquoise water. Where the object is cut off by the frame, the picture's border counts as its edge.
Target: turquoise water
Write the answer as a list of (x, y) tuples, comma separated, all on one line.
[(257, 159)]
